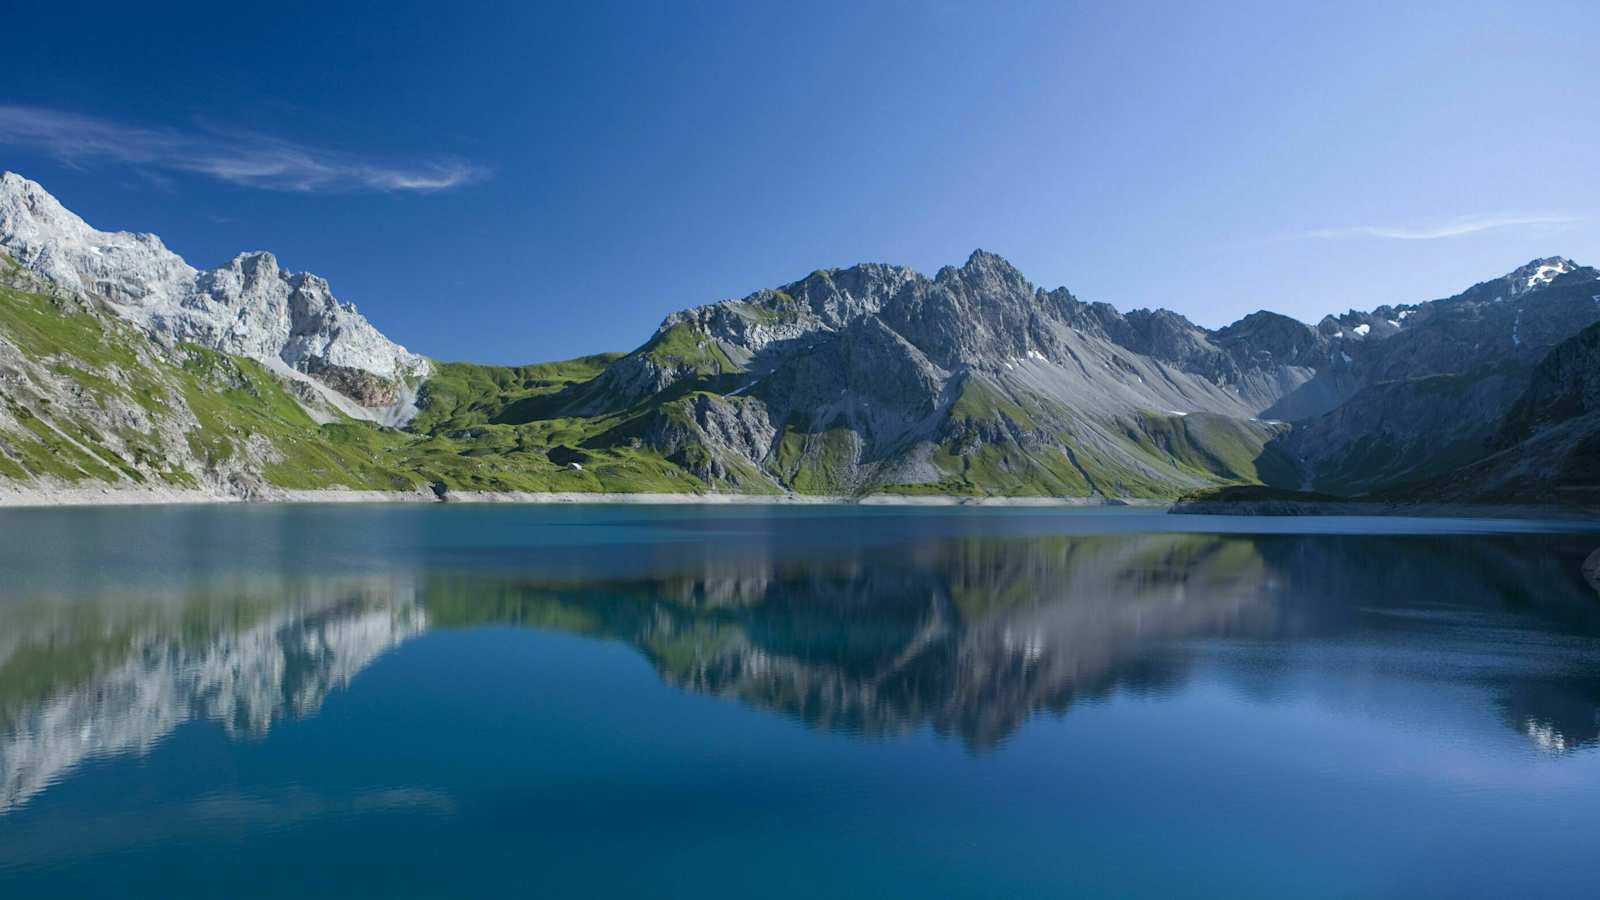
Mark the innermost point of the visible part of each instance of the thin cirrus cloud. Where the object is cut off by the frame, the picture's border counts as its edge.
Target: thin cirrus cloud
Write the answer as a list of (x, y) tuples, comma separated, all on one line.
[(248, 160), (1458, 227)]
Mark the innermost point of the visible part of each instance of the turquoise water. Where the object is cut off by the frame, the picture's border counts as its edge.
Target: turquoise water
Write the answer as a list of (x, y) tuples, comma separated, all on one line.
[(792, 702)]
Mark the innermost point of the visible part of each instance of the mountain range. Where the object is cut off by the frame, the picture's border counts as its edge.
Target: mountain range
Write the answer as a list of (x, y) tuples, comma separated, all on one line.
[(124, 367)]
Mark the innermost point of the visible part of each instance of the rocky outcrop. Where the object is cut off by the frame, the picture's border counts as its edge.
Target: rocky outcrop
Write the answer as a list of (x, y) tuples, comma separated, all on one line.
[(364, 387), (714, 438)]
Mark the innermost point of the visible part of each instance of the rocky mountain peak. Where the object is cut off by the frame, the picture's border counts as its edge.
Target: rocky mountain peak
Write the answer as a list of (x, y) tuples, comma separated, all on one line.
[(1266, 335), (256, 261), (1539, 273), (249, 306), (25, 200), (987, 273), (983, 260), (121, 267), (32, 217)]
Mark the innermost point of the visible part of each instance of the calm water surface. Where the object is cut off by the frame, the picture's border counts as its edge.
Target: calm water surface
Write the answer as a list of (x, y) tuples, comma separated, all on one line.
[(791, 702)]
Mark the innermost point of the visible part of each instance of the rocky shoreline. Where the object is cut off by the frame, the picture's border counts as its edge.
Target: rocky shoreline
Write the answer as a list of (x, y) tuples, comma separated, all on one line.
[(13, 497), (35, 497)]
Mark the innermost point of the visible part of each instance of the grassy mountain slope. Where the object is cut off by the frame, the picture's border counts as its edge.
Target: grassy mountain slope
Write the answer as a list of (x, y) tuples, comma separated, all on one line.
[(869, 380), (89, 400)]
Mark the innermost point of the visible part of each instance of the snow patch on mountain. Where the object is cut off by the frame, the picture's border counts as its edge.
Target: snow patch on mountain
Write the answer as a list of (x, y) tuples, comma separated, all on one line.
[(1540, 273)]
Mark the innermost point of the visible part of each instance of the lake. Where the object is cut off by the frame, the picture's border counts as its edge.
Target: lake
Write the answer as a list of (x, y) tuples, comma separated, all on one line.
[(417, 701)]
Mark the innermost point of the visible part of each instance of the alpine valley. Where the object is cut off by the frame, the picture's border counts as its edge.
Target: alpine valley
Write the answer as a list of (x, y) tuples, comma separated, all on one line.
[(125, 371)]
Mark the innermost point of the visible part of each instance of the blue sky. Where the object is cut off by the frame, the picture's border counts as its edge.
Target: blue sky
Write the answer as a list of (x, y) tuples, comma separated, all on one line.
[(538, 182)]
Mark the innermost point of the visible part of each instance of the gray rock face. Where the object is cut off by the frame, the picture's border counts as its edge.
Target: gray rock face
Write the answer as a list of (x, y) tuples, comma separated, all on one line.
[(1514, 319), (1400, 431), (986, 315), (1546, 448), (713, 435), (1564, 386), (878, 375), (248, 306), (906, 371), (1422, 389)]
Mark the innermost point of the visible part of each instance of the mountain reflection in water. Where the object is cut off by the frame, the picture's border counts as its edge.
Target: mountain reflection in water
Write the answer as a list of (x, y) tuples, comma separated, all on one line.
[(967, 635)]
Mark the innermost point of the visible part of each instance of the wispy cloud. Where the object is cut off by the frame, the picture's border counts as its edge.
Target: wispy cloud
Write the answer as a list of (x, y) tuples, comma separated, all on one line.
[(242, 158), (1457, 227)]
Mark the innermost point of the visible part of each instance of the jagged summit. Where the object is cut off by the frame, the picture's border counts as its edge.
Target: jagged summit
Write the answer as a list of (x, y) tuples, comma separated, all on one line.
[(981, 263), (249, 306), (125, 268), (1540, 272), (1536, 276)]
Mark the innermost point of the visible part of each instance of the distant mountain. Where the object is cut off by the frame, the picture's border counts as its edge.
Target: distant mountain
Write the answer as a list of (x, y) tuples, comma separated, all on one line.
[(1427, 384), (121, 364)]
